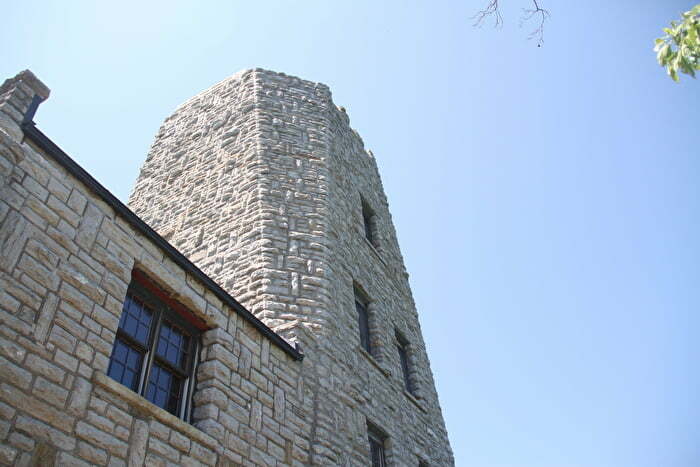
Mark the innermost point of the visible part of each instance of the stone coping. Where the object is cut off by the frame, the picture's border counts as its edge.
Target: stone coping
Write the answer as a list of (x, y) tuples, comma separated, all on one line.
[(374, 361), (415, 401), (374, 250), (132, 398), (29, 79)]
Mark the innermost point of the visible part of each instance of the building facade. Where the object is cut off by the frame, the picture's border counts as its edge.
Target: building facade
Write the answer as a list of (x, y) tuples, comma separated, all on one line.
[(122, 342)]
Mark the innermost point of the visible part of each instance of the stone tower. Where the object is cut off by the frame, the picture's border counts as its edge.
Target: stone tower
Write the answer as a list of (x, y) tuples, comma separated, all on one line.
[(262, 183)]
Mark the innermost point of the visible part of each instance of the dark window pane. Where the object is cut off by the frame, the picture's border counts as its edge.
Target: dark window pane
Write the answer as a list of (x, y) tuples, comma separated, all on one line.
[(130, 379), (403, 355), (120, 352), (363, 322), (136, 319), (125, 364), (134, 360), (130, 325), (173, 344), (368, 229), (127, 304), (116, 370), (141, 334), (377, 452), (164, 379), (172, 356), (164, 389), (175, 337)]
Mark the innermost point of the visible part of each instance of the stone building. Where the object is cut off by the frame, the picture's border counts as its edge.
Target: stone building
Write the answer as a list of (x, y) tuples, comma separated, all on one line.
[(121, 340)]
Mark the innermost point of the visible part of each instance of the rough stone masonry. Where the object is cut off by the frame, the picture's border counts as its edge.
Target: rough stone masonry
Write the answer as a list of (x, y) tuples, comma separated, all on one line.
[(257, 189)]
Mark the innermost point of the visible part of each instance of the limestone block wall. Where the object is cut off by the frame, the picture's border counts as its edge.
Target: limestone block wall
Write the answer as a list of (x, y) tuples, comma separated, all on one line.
[(200, 186), (67, 252), (378, 268), (267, 199)]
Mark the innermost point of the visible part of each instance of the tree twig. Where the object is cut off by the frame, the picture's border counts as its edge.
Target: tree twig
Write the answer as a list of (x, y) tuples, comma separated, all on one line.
[(536, 11), (490, 10)]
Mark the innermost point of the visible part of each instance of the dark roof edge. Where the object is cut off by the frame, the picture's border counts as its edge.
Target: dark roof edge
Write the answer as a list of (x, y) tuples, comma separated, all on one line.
[(32, 133)]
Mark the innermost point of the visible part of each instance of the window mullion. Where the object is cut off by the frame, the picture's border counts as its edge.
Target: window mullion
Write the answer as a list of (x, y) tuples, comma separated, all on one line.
[(153, 339), (186, 409), (144, 372), (124, 336), (170, 367)]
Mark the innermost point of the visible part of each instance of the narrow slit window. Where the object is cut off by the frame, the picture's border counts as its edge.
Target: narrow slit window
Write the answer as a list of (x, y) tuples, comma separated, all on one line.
[(369, 219), (402, 347), (377, 441), (361, 306)]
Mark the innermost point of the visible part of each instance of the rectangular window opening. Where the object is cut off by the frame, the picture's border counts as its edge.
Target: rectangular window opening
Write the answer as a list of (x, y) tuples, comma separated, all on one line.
[(369, 219), (402, 346), (377, 441), (156, 347), (361, 306)]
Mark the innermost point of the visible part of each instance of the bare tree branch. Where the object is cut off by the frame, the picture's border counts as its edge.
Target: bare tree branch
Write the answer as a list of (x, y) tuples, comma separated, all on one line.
[(490, 10), (536, 11)]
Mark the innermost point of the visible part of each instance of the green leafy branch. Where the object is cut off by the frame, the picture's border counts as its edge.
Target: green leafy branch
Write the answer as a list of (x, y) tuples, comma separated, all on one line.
[(679, 49)]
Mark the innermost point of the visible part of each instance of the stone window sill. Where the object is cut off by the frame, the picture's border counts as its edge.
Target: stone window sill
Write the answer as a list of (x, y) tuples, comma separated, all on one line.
[(415, 401), (374, 250), (373, 361), (133, 399)]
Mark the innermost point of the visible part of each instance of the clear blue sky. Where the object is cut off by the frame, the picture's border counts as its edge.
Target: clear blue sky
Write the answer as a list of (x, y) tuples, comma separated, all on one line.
[(546, 200)]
